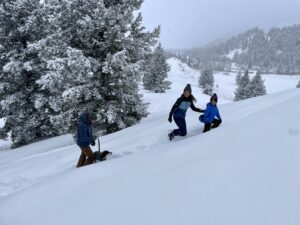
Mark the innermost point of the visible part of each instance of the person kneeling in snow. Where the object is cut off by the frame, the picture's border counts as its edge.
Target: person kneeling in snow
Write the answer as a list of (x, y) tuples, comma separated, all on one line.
[(210, 114), (179, 109), (85, 138)]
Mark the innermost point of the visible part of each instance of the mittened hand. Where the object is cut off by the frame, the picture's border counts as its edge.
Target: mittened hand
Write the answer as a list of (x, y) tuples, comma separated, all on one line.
[(170, 119), (93, 143)]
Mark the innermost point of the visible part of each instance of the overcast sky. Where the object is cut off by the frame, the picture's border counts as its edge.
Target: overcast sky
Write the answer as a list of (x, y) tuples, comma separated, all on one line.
[(192, 23)]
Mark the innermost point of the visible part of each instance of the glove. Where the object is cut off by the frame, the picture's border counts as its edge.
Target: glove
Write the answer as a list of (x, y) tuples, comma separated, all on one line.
[(93, 143), (170, 119)]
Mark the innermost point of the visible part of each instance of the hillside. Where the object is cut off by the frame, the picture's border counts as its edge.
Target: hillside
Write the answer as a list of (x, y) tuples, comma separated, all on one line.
[(244, 172), (273, 51)]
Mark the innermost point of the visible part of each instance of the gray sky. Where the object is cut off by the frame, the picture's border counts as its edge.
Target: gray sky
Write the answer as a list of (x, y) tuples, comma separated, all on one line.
[(192, 23)]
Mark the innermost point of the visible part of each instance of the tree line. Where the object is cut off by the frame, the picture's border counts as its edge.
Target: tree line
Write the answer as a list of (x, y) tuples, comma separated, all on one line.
[(275, 51), (60, 57)]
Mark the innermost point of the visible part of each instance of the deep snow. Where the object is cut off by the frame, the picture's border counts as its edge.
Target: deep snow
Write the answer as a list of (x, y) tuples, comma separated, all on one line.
[(245, 172)]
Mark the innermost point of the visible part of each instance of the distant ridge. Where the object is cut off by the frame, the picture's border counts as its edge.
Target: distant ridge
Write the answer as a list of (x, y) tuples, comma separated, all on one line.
[(273, 51)]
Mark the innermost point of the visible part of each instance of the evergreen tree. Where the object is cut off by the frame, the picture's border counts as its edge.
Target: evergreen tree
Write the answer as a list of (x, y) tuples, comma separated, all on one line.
[(242, 92), (22, 24), (298, 85), (157, 72), (95, 62), (256, 86), (238, 78), (206, 81)]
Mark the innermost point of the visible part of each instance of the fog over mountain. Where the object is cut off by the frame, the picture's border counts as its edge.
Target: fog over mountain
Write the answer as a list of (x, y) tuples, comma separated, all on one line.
[(274, 51), (195, 23)]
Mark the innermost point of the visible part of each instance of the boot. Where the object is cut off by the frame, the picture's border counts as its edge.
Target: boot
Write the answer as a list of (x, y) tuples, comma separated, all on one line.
[(171, 136), (81, 160), (89, 154), (215, 123), (207, 127)]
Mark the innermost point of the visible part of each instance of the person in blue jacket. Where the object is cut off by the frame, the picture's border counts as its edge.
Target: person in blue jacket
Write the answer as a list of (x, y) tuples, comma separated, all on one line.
[(85, 138), (211, 112), (179, 109)]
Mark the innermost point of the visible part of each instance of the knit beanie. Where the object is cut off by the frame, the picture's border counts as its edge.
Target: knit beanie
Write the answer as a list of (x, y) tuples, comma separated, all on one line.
[(92, 116), (215, 97), (188, 88)]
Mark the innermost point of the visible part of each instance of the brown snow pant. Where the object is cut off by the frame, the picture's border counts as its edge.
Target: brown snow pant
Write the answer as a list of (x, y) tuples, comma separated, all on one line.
[(86, 158)]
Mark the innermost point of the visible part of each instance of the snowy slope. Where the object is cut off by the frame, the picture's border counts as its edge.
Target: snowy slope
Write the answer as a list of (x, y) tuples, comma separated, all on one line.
[(274, 83), (225, 86), (231, 54), (245, 172), (181, 74)]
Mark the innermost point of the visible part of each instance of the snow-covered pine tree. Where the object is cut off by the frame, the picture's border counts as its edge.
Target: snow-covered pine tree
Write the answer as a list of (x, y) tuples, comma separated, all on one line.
[(22, 24), (298, 85), (242, 91), (206, 81), (155, 77), (256, 86), (95, 61), (238, 78)]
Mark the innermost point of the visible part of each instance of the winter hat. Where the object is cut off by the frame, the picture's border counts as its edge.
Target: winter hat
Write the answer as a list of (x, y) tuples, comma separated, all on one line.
[(92, 116), (188, 88), (215, 97)]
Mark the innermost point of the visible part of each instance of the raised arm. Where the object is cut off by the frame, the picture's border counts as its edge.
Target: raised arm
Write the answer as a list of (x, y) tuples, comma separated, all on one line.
[(194, 108)]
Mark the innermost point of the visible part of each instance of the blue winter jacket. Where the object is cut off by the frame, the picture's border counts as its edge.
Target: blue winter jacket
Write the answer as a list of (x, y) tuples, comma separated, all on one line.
[(211, 112), (84, 131), (181, 106)]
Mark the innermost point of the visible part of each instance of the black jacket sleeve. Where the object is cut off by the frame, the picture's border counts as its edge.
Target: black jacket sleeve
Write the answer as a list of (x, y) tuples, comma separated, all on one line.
[(175, 106), (194, 108)]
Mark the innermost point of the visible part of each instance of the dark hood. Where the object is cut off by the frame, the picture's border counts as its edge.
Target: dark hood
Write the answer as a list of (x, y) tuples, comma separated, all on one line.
[(84, 118)]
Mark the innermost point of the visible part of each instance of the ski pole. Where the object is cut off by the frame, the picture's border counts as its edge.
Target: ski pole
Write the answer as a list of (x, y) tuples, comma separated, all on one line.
[(98, 145)]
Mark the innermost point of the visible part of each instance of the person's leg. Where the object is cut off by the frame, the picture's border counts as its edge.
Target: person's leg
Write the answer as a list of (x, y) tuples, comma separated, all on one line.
[(182, 128), (180, 122), (81, 160), (90, 156), (215, 123), (176, 132), (207, 127)]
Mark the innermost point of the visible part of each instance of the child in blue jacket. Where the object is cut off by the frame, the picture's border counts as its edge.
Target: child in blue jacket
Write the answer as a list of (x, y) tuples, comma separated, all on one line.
[(179, 109), (211, 112)]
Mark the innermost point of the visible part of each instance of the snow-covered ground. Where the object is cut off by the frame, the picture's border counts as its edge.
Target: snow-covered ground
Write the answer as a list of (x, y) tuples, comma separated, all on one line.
[(235, 51), (225, 86), (274, 83), (245, 172)]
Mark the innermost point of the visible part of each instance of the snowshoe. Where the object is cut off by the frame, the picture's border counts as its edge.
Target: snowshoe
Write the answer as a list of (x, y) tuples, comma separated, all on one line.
[(102, 156)]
